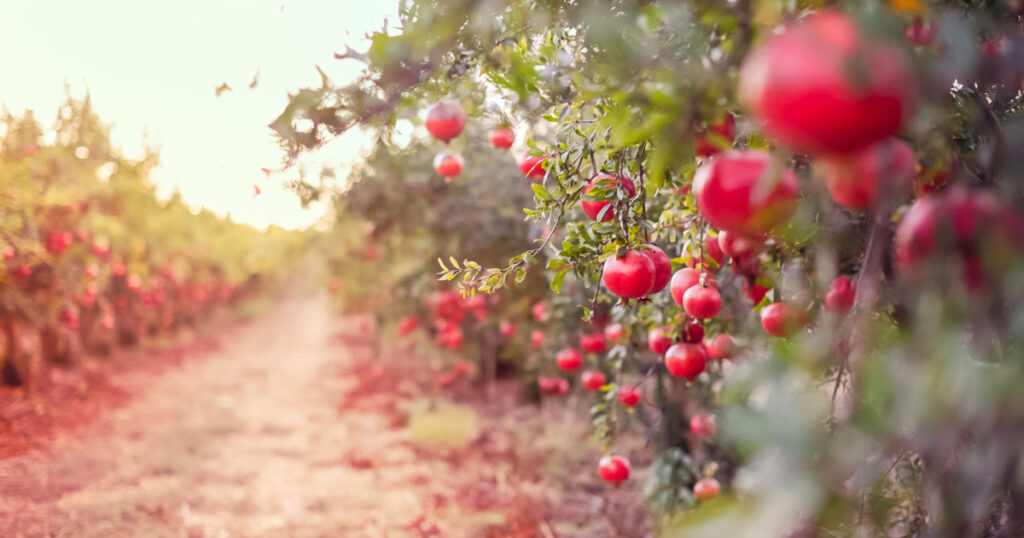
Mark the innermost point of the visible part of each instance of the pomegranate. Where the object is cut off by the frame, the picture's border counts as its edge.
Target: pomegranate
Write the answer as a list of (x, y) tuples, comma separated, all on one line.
[(686, 278), (448, 164), (614, 469), (507, 328), (713, 250), (662, 266), (100, 246), (407, 326), (821, 87), (593, 206), (502, 137), (537, 338), (706, 489), (693, 333), (920, 33), (446, 120), (629, 396), (685, 360), (722, 346), (728, 192), (658, 340), (854, 180), (533, 168), (783, 319), (592, 380), (738, 246), (594, 343), (613, 332), (702, 302), (754, 290), (724, 130), (702, 425), (630, 276), (569, 359), (540, 310), (840, 295)]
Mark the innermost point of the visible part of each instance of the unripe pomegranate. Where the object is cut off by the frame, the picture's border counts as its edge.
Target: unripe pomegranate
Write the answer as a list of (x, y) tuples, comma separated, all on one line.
[(702, 425), (727, 189), (739, 246), (614, 469), (446, 120), (613, 332), (702, 302), (693, 333), (537, 338), (569, 359), (631, 276), (783, 319), (592, 380), (686, 278), (721, 346), (855, 180), (706, 489), (658, 340), (629, 396), (821, 87), (507, 328), (840, 295), (726, 129), (685, 360), (594, 343), (533, 168), (502, 137), (448, 164), (662, 266), (593, 207)]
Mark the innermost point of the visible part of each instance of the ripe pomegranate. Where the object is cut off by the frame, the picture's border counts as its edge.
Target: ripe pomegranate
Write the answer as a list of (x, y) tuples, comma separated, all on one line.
[(507, 328), (614, 469), (754, 290), (537, 338), (593, 380), (629, 396), (685, 360), (713, 250), (706, 489), (592, 206), (662, 266), (726, 129), (594, 343), (854, 180), (446, 120), (728, 192), (658, 340), (722, 346), (921, 34), (502, 137), (693, 333), (100, 246), (702, 425), (58, 242), (739, 246), (540, 310), (613, 332), (533, 168), (702, 302), (448, 164), (569, 359), (783, 319), (821, 87), (630, 276), (839, 298), (686, 278)]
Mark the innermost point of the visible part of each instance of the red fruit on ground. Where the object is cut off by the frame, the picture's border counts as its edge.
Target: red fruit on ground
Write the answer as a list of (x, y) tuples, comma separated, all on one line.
[(502, 137), (533, 168), (613, 332), (594, 343), (840, 295), (658, 340), (446, 120), (685, 360), (629, 396), (739, 246), (593, 207), (507, 328), (662, 266), (686, 278), (702, 425), (713, 250), (702, 302), (693, 333), (727, 189), (537, 338), (631, 276), (725, 129), (448, 164), (592, 380), (569, 359), (856, 179), (722, 346), (706, 489), (783, 319), (821, 87), (614, 469)]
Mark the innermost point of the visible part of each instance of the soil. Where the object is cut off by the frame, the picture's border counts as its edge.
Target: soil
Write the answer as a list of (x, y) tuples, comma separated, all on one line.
[(297, 424)]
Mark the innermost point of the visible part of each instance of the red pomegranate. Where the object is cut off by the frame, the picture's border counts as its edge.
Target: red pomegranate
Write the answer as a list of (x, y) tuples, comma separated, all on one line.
[(693, 333), (686, 278), (722, 346), (723, 135), (783, 319), (593, 380), (630, 276), (614, 469), (446, 120), (855, 180), (658, 340), (613, 332), (840, 295), (537, 338), (713, 250), (407, 326), (702, 302), (629, 396), (920, 33), (533, 168), (594, 343), (593, 205), (569, 359), (754, 290), (706, 489), (662, 266), (821, 87), (739, 246), (702, 425), (728, 192), (685, 360), (507, 328), (448, 164), (502, 137)]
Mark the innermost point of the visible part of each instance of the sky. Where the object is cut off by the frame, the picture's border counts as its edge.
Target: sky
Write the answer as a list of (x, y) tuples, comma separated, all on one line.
[(151, 69)]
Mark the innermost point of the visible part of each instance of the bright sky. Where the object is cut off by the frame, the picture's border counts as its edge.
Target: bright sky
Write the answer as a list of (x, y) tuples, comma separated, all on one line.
[(151, 69)]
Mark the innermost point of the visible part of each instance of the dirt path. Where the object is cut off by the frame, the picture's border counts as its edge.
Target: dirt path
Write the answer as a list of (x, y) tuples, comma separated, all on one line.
[(284, 432)]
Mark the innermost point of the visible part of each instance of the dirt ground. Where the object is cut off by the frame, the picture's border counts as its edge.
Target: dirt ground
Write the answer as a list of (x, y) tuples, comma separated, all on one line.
[(294, 425)]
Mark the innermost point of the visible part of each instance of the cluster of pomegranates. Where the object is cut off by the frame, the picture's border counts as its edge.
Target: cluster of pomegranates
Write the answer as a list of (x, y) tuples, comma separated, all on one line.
[(446, 120)]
